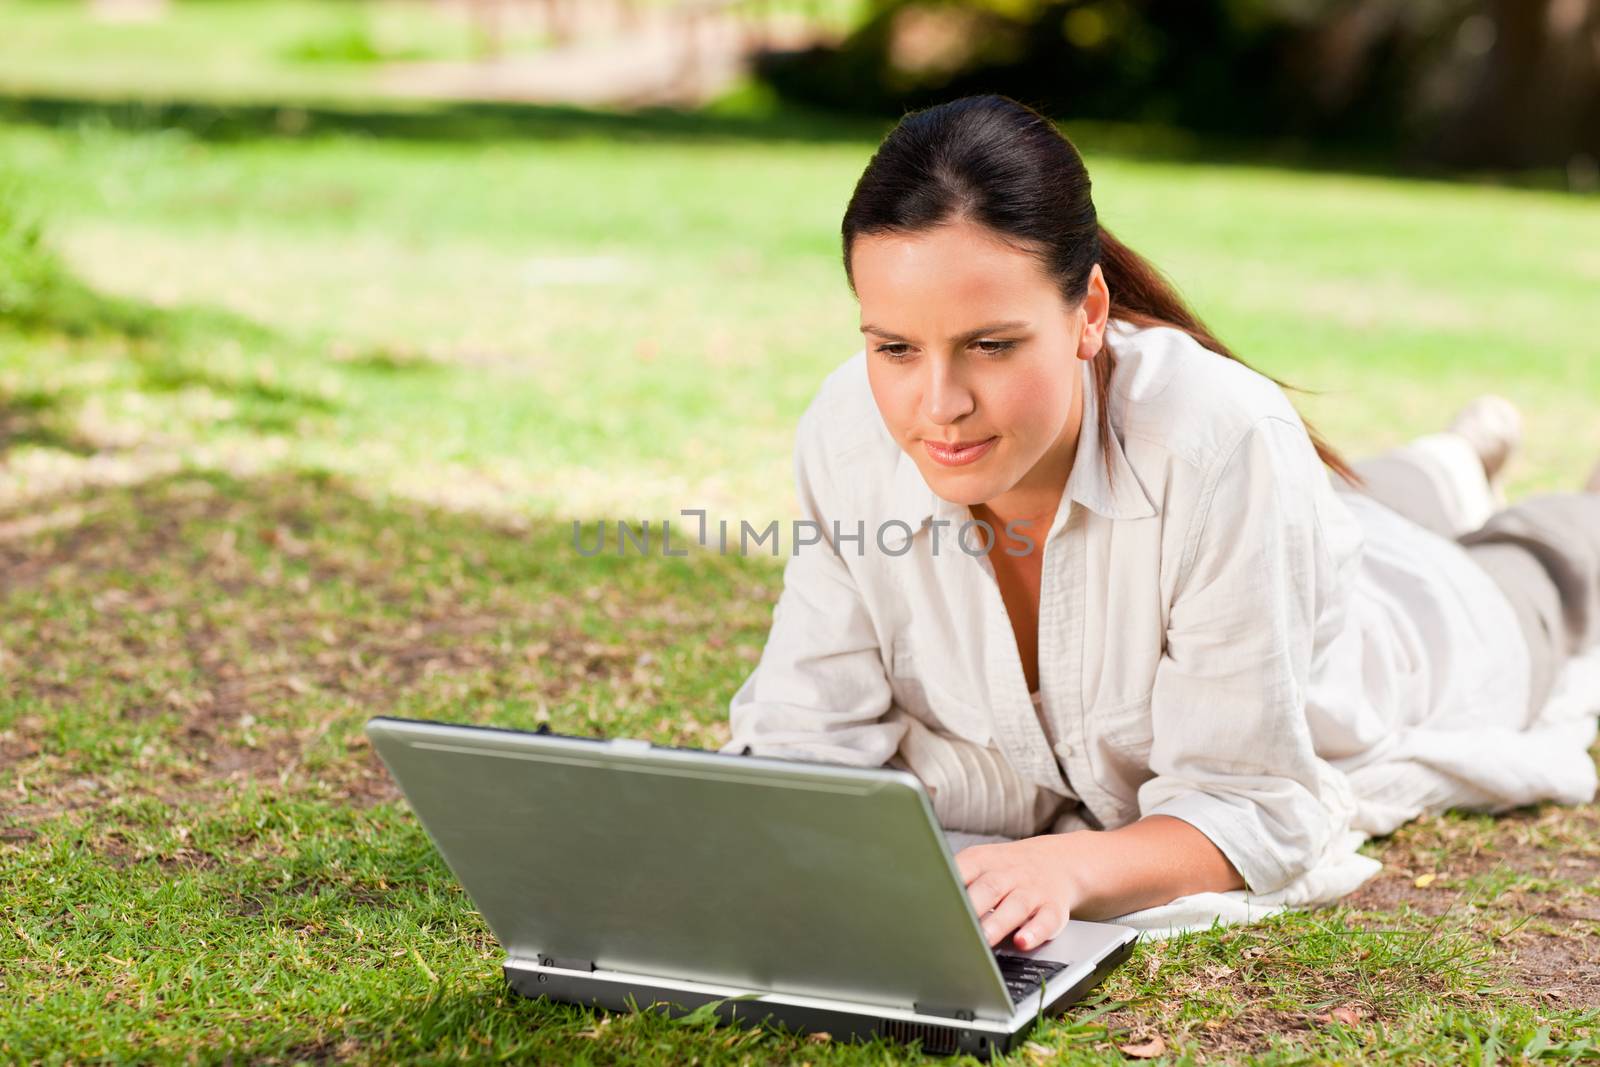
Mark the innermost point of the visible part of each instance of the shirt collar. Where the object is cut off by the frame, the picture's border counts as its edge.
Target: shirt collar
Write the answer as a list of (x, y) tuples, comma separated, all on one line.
[(1115, 495)]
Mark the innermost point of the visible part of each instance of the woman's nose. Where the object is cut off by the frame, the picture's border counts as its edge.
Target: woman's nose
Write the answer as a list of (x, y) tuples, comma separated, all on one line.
[(947, 397)]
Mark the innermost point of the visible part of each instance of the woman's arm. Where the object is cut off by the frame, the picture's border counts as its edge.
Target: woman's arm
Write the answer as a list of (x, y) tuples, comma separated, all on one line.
[(1040, 882), (819, 690), (1238, 796)]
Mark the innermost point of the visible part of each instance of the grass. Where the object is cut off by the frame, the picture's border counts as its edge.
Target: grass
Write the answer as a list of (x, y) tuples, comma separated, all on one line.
[(292, 432)]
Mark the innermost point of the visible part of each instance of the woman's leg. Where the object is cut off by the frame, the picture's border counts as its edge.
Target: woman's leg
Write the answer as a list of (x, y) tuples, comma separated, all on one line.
[(1544, 554), (1438, 482)]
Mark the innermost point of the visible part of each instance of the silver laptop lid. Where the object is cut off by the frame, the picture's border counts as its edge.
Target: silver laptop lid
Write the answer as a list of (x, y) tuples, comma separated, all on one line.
[(761, 873)]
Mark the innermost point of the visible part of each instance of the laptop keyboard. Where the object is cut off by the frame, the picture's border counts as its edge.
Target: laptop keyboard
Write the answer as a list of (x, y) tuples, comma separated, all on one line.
[(1024, 975)]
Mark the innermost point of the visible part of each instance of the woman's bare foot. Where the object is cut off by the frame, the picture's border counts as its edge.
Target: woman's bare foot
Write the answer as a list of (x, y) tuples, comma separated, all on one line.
[(1493, 426)]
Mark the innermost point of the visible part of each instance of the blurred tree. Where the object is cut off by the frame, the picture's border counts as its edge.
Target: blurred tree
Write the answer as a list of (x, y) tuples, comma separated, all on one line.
[(1480, 81), (1536, 95)]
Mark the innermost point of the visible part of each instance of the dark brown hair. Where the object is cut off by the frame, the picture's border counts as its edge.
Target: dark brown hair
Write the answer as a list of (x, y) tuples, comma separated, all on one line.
[(1003, 165)]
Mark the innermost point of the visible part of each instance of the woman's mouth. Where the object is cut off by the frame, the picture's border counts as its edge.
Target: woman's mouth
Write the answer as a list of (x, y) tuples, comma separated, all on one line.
[(958, 455)]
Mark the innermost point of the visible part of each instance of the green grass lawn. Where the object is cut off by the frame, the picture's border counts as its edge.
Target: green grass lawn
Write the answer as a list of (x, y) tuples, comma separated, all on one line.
[(292, 433)]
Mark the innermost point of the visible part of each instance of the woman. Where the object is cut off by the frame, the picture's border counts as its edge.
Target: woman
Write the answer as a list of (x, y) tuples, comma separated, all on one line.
[(1091, 580)]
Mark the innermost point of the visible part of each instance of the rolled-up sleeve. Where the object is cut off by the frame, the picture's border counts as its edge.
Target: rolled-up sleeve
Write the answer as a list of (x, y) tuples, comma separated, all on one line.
[(1232, 750), (819, 691)]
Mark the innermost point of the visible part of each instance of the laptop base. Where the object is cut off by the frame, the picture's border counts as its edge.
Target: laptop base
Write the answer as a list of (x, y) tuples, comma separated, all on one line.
[(939, 1035)]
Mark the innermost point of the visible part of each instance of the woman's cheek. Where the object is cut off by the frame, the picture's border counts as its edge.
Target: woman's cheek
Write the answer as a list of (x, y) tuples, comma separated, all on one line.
[(897, 403), (1030, 404)]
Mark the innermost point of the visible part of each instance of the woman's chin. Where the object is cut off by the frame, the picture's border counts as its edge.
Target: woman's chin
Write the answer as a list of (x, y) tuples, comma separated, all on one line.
[(963, 489)]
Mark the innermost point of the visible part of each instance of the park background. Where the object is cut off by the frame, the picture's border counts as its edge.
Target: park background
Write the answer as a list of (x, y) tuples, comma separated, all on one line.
[(321, 322)]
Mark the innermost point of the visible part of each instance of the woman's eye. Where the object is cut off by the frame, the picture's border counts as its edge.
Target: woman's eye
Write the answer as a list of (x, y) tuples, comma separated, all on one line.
[(894, 352)]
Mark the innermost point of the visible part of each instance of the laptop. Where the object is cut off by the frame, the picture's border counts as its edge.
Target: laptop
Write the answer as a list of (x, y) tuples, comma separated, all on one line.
[(813, 896)]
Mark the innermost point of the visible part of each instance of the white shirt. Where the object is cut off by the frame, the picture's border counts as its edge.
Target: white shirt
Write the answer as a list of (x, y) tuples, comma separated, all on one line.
[(1224, 636)]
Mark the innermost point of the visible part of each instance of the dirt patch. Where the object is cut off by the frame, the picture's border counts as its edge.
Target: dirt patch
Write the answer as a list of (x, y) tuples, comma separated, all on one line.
[(1442, 863), (366, 780), (184, 858), (1584, 869), (1525, 880), (247, 907), (1251, 1031), (1387, 891), (1559, 969), (352, 892), (14, 747), (316, 1051), (114, 851), (1534, 940)]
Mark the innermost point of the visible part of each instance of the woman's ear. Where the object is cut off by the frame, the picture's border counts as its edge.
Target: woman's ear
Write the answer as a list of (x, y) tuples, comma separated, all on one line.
[(1096, 309)]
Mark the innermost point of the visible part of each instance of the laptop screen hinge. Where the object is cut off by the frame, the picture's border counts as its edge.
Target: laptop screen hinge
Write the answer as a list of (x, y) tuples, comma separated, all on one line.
[(570, 963), (949, 1013)]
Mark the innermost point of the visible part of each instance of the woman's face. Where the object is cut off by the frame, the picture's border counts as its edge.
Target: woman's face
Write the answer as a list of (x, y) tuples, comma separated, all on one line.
[(969, 343)]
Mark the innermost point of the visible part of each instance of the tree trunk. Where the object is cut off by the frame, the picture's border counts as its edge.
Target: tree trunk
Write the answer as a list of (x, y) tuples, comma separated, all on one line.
[(1537, 100)]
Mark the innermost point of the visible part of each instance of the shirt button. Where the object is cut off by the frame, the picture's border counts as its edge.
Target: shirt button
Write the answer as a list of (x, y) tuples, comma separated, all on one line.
[(1063, 749)]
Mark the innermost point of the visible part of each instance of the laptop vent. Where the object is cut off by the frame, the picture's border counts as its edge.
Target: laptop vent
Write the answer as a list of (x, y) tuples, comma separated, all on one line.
[(939, 1040)]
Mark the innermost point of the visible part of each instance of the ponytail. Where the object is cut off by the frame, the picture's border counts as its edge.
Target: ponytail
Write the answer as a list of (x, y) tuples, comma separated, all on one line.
[(1142, 296)]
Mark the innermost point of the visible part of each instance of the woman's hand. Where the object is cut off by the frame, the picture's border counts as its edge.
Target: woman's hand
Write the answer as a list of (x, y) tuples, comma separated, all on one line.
[(1033, 886), (1028, 886)]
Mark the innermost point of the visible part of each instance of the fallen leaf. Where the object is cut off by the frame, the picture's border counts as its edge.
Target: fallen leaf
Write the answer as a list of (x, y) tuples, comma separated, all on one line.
[(1144, 1050), (1425, 880), (1346, 1014)]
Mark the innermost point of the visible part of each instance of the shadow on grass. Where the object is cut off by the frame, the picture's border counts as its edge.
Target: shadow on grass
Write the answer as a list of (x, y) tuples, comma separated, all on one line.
[(431, 120), (55, 301), (62, 304), (482, 122), (168, 349), (163, 376), (33, 418), (40, 294)]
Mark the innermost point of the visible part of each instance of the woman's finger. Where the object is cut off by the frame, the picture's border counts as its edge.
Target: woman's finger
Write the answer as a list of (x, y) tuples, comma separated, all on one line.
[(988, 889), (1009, 914), (972, 861), (1046, 924)]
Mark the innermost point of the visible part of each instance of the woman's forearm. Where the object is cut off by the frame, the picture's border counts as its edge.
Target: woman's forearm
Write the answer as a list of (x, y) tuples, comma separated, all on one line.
[(1033, 886), (1143, 864)]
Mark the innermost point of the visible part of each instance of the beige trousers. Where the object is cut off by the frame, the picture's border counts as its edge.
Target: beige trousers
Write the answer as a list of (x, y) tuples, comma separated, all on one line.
[(1543, 552)]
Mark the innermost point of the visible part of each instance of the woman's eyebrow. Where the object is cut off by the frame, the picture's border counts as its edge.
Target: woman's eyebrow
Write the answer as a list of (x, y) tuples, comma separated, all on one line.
[(1009, 324)]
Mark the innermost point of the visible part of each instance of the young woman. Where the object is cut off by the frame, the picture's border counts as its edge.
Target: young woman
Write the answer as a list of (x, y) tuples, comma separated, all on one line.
[(1091, 579)]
